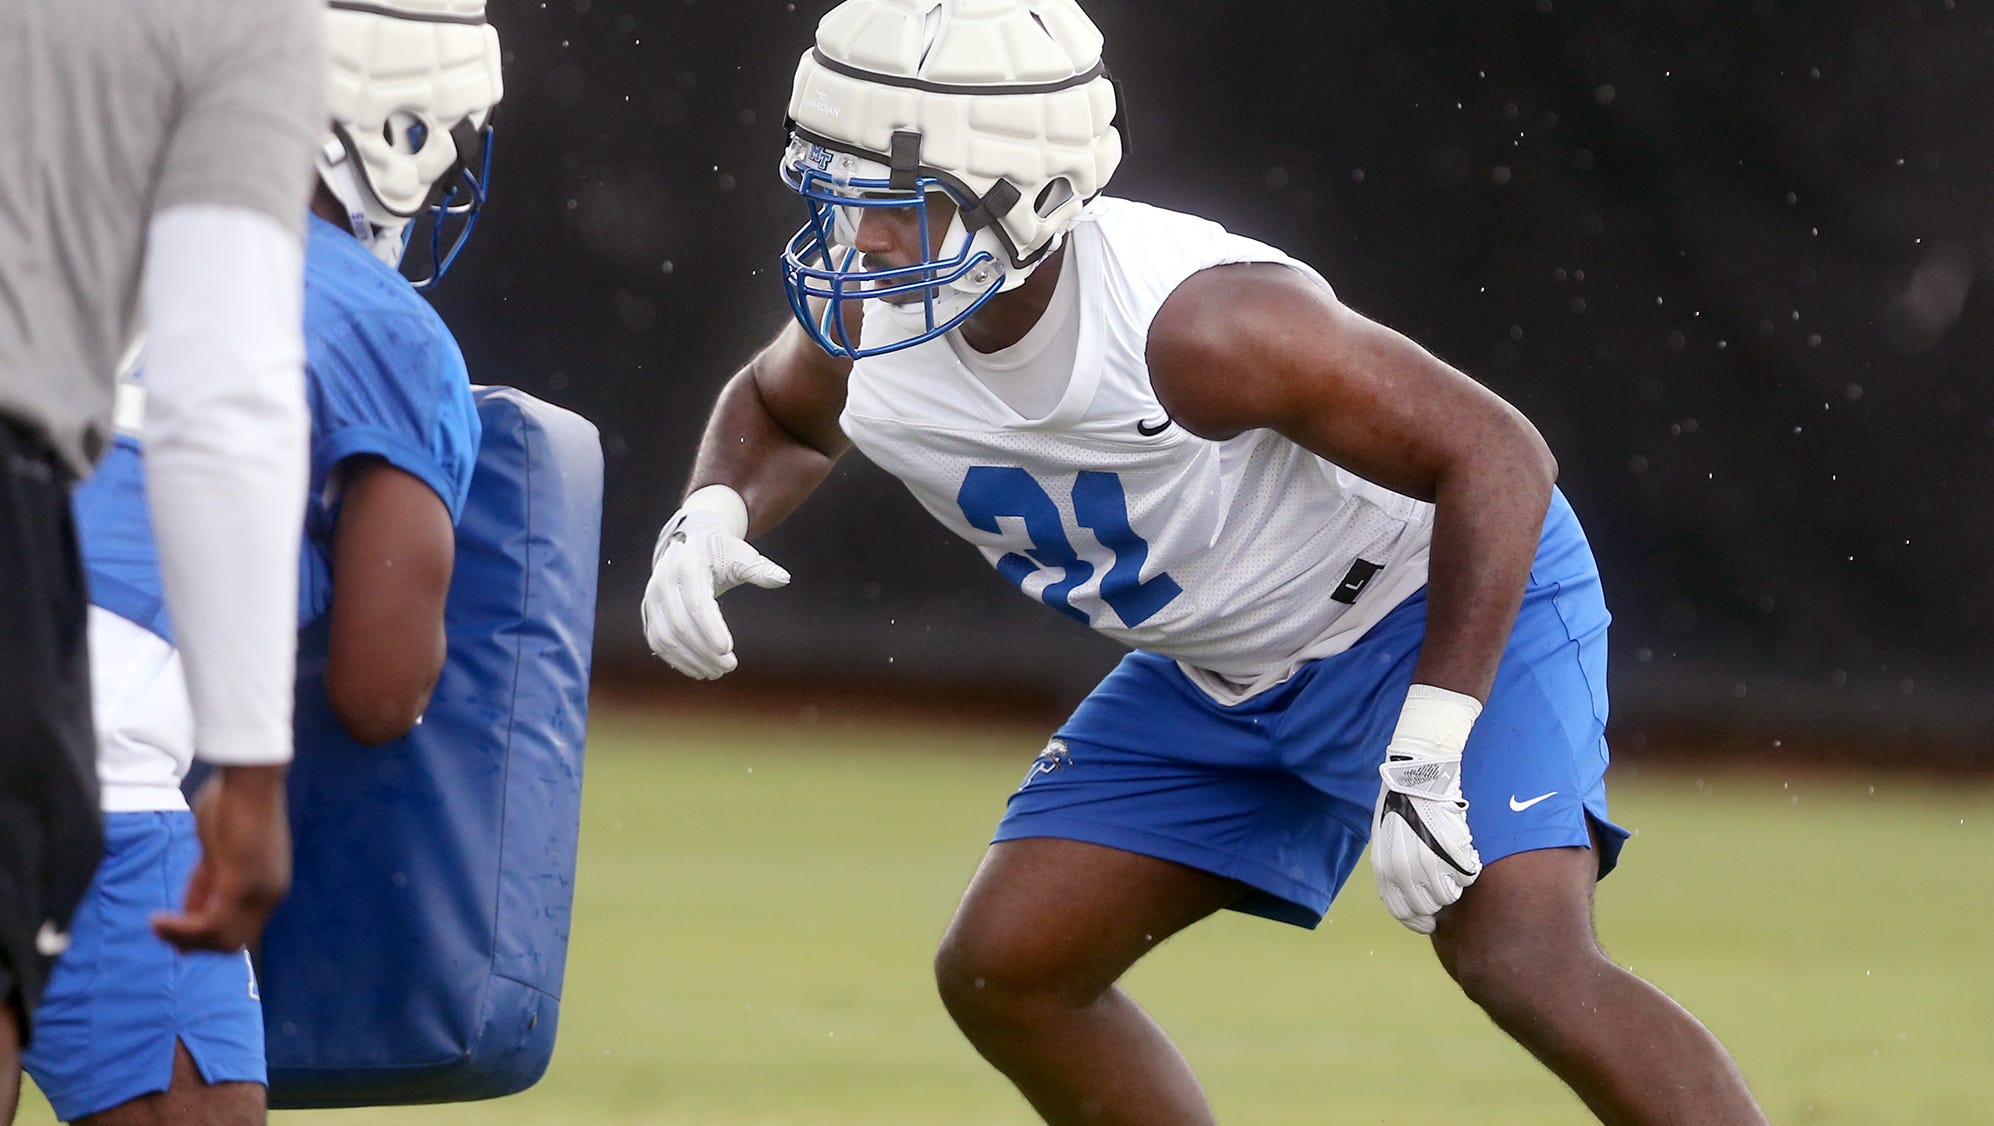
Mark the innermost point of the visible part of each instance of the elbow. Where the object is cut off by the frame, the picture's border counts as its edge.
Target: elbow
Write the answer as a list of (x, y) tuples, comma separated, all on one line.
[(1531, 463), (369, 734), (1511, 460), (380, 702), (1543, 462), (379, 719)]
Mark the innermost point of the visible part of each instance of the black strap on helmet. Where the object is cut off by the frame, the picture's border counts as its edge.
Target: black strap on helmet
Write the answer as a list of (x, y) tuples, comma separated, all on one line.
[(904, 159), (468, 139), (995, 204)]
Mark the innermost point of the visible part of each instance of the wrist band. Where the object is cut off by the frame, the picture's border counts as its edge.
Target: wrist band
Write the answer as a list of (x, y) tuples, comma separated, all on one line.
[(721, 501), (1436, 718)]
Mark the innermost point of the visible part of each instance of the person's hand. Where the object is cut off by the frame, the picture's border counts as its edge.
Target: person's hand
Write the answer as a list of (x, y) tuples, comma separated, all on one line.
[(1421, 850), (701, 555), (245, 864)]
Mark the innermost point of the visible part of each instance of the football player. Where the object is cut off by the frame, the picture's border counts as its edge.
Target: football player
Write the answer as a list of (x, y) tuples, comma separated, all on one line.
[(131, 1030), (1359, 607)]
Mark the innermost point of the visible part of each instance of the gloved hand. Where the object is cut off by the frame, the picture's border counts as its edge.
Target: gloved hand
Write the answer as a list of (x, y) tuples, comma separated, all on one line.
[(701, 555), (1421, 850)]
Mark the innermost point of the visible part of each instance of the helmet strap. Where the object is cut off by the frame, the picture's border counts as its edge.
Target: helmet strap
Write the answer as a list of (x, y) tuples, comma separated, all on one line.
[(337, 174), (995, 204), (903, 160)]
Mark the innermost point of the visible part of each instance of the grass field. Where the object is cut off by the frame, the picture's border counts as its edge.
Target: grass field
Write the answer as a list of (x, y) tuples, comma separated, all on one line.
[(758, 901)]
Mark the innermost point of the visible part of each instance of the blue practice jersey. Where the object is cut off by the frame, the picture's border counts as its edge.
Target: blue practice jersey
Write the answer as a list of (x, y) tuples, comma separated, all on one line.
[(384, 378)]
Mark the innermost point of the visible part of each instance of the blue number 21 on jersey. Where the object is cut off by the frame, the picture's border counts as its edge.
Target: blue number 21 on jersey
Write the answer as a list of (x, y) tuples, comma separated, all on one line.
[(1099, 505)]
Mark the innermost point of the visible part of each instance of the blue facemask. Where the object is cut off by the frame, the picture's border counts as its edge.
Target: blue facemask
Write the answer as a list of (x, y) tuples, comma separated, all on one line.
[(949, 285)]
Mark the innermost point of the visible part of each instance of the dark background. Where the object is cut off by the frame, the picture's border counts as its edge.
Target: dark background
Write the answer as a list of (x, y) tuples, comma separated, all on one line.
[(1732, 258)]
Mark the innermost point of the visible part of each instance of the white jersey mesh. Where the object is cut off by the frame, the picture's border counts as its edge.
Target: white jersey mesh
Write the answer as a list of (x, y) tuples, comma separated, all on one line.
[(1222, 555)]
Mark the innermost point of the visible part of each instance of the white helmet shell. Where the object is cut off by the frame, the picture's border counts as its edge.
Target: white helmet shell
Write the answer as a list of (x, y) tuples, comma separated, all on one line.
[(405, 79), (1009, 98)]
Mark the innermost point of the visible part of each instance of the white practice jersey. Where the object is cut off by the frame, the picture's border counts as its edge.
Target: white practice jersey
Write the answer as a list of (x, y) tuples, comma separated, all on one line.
[(1240, 559)]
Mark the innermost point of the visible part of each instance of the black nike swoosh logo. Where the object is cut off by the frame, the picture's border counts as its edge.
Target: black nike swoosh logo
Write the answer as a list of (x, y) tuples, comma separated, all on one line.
[(1143, 427), (1400, 804)]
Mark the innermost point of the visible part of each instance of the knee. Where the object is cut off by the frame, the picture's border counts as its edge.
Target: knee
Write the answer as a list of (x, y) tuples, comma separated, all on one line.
[(1004, 977), (1491, 974), (962, 979), (1527, 978)]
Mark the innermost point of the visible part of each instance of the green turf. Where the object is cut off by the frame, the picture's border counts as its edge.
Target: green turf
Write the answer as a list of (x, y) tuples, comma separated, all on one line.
[(758, 901)]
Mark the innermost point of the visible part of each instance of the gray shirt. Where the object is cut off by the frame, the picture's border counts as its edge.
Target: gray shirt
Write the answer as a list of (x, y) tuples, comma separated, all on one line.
[(110, 112)]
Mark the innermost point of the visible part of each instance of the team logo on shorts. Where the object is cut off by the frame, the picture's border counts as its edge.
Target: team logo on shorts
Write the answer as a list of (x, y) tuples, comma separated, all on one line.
[(1054, 757)]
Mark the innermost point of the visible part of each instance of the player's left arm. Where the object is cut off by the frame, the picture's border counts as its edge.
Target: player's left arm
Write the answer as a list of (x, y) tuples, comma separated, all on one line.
[(1258, 345), (393, 549), (1255, 345)]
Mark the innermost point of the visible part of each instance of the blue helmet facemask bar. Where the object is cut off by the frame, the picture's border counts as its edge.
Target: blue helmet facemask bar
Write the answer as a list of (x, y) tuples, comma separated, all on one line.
[(816, 265), (460, 205)]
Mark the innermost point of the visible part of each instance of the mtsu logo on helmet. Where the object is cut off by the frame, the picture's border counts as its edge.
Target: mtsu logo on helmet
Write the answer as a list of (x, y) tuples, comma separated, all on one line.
[(1003, 106)]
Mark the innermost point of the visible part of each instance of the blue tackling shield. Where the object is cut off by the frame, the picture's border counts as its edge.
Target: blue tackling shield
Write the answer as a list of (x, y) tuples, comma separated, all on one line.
[(419, 955)]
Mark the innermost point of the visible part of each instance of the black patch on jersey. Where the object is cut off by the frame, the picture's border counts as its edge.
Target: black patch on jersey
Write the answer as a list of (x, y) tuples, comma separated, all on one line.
[(1143, 427), (1354, 581)]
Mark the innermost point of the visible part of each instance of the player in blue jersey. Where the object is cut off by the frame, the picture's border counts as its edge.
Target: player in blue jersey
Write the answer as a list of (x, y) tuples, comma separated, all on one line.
[(131, 1030), (1359, 607)]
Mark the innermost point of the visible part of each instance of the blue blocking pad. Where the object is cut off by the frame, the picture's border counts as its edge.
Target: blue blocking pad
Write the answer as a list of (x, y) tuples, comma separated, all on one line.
[(419, 955)]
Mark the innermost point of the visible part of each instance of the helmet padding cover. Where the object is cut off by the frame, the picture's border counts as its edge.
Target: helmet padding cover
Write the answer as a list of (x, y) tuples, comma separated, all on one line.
[(1009, 100), (409, 85)]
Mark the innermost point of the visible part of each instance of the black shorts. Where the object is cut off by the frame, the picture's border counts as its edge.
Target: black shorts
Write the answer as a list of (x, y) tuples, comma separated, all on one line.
[(51, 833)]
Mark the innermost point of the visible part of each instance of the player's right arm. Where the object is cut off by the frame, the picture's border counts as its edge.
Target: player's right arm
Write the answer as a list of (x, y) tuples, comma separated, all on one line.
[(394, 547), (773, 436), (771, 440), (225, 429)]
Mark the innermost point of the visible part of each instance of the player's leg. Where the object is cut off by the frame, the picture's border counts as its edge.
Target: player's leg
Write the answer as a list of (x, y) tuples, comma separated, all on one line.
[(1028, 970), (190, 1100), (132, 1030), (10, 1060), (1153, 808), (1520, 942)]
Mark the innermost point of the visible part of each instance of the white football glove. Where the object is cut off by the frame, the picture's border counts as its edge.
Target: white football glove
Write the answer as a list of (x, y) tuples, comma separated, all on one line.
[(1421, 850), (700, 556)]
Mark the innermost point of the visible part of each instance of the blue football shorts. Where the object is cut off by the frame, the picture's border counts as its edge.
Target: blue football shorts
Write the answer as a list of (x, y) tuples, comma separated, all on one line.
[(119, 997), (1277, 791)]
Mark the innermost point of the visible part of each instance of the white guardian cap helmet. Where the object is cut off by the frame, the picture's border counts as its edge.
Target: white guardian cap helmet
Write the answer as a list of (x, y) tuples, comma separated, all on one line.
[(410, 86), (1002, 106)]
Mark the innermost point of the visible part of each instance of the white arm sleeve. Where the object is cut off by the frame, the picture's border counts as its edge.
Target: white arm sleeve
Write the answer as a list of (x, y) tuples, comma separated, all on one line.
[(226, 436)]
